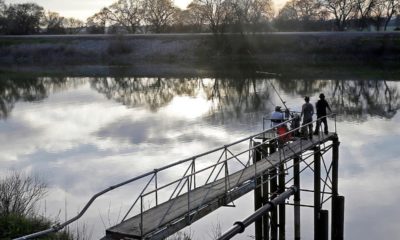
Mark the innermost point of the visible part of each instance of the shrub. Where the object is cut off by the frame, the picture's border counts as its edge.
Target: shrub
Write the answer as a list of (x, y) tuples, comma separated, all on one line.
[(19, 195)]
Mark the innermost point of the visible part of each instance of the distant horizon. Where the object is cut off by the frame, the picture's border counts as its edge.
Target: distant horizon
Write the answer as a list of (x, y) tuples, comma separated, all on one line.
[(83, 10)]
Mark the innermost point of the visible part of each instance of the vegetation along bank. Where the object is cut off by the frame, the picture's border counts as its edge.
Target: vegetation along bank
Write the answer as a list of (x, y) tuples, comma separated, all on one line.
[(268, 48)]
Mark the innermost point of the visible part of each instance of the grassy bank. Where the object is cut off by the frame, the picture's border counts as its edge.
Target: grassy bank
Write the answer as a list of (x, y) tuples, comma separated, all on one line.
[(258, 49)]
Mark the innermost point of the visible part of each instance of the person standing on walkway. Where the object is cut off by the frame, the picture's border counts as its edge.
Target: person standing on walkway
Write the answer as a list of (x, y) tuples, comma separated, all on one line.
[(307, 112), (321, 107)]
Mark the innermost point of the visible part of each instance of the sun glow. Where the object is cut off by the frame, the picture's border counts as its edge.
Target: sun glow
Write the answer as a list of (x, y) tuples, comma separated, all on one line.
[(188, 107)]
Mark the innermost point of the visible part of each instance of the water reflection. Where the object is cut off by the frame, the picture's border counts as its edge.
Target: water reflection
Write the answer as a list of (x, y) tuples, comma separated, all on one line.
[(355, 100), (84, 134), (29, 89)]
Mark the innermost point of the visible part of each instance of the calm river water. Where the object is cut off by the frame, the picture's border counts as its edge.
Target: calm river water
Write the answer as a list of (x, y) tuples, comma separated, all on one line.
[(83, 134)]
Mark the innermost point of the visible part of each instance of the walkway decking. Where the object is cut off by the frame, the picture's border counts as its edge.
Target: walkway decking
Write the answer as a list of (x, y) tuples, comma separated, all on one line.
[(170, 216)]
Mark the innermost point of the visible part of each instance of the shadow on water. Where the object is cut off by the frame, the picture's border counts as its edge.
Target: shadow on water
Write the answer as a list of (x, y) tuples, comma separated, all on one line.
[(233, 97)]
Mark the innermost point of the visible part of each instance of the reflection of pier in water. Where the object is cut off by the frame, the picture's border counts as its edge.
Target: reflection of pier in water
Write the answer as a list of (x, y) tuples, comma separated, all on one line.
[(262, 166)]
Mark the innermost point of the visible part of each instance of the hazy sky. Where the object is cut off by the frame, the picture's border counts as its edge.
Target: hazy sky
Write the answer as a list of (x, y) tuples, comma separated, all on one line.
[(83, 9)]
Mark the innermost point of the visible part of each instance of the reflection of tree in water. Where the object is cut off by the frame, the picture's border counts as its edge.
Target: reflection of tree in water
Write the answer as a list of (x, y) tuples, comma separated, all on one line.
[(231, 97), (302, 87), (13, 90), (151, 92), (355, 100), (246, 99)]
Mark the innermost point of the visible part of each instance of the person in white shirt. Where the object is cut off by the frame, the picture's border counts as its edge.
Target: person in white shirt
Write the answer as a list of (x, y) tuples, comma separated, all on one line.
[(277, 116)]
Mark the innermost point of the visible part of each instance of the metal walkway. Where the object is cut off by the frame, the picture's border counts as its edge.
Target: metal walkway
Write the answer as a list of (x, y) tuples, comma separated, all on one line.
[(179, 212), (174, 196)]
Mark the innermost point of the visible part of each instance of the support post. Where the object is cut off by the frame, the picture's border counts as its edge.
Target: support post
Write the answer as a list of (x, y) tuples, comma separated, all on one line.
[(338, 218), (323, 225), (317, 191), (274, 188), (257, 195), (296, 180), (282, 207), (335, 166), (265, 218)]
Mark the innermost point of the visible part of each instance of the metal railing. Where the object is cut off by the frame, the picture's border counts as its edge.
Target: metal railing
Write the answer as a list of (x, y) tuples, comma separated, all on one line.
[(192, 177)]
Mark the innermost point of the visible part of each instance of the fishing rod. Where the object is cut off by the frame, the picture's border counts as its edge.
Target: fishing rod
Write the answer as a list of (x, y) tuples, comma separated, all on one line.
[(273, 86)]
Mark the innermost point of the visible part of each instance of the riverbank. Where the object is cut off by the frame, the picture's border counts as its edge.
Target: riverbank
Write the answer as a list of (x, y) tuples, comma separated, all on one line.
[(201, 54)]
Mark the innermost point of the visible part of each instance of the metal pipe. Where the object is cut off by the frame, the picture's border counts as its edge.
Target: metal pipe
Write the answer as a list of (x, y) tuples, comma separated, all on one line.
[(239, 227), (257, 196), (282, 208), (265, 191), (296, 181), (274, 212), (317, 191)]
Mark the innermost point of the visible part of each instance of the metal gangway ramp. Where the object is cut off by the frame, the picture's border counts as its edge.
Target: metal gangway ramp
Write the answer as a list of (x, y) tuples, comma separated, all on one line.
[(176, 195), (190, 202)]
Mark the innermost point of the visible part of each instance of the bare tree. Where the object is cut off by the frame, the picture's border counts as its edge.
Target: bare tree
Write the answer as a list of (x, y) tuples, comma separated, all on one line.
[(216, 12), (251, 13), (341, 11), (3, 19), (19, 194), (288, 12), (261, 11), (73, 25), (391, 8), (363, 11), (159, 14), (378, 14), (23, 18), (126, 13), (3, 7), (97, 22), (195, 16), (54, 23), (308, 9)]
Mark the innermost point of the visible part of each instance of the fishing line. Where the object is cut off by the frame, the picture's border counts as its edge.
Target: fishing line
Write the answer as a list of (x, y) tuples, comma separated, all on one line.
[(269, 80)]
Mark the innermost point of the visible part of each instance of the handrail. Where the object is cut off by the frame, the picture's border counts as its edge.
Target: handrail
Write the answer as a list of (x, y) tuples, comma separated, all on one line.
[(58, 227)]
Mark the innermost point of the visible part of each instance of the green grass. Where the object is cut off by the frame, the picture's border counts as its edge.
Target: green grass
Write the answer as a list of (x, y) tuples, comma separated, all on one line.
[(13, 226)]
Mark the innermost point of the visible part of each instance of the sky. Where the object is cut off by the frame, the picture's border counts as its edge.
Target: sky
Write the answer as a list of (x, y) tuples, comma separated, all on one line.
[(78, 8), (84, 9)]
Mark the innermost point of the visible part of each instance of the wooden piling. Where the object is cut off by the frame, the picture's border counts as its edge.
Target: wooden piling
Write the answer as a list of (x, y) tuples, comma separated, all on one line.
[(323, 225), (337, 218), (296, 180)]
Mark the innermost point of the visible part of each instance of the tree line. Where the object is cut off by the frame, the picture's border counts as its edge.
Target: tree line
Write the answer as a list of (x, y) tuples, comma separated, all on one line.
[(344, 14), (216, 16)]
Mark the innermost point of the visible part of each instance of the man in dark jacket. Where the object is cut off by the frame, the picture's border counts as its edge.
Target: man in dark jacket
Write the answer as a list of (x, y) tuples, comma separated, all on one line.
[(321, 107)]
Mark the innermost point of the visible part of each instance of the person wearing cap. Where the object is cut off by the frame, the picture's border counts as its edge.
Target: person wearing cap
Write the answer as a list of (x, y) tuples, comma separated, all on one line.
[(307, 112), (277, 116), (321, 107)]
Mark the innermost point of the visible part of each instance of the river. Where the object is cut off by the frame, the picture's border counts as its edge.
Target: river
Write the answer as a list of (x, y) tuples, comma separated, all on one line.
[(83, 134)]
